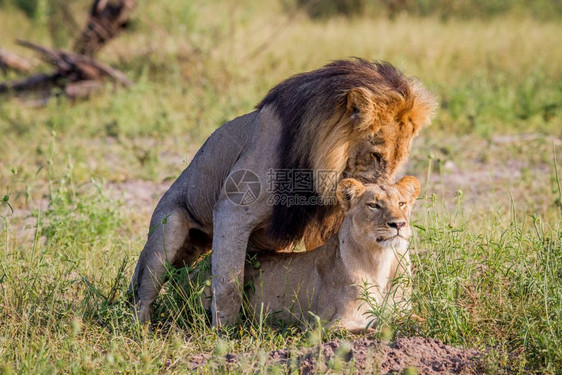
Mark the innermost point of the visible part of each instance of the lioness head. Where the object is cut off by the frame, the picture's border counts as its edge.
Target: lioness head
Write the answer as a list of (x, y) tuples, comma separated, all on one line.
[(379, 214)]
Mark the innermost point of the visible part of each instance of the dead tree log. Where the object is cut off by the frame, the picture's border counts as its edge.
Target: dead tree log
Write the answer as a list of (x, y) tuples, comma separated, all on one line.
[(82, 89), (33, 83), (9, 60), (105, 22), (76, 74), (77, 67)]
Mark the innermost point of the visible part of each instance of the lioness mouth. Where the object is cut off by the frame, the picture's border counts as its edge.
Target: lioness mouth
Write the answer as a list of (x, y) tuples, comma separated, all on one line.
[(382, 239)]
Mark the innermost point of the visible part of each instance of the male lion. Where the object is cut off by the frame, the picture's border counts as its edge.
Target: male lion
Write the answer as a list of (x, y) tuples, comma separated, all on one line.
[(371, 248), (352, 118)]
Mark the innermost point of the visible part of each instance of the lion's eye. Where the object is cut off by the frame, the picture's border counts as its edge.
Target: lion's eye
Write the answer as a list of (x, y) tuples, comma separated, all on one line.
[(374, 206), (375, 156), (402, 204)]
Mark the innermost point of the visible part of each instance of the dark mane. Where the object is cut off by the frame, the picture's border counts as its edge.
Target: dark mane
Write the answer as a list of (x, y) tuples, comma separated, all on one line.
[(315, 99)]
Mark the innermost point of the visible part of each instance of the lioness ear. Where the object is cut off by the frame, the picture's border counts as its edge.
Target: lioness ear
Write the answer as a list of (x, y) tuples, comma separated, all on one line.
[(409, 187), (359, 104), (349, 189)]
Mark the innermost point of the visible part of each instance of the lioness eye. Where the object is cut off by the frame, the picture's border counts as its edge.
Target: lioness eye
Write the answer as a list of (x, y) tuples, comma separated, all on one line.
[(402, 204), (375, 156), (374, 205)]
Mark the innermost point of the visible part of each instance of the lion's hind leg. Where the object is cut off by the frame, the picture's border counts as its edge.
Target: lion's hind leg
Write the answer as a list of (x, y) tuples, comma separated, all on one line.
[(168, 244)]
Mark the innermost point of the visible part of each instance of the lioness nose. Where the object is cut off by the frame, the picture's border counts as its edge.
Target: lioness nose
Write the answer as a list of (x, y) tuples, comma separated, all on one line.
[(396, 224)]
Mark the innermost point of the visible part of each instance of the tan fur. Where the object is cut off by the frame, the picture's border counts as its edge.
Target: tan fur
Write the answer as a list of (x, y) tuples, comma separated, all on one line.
[(327, 281)]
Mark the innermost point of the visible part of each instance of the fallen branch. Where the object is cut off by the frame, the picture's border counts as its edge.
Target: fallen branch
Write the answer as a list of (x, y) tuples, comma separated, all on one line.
[(35, 82), (77, 67), (82, 89), (77, 74), (9, 60), (105, 22)]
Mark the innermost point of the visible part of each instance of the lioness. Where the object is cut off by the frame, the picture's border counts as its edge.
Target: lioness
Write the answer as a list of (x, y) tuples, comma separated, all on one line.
[(351, 118), (371, 247)]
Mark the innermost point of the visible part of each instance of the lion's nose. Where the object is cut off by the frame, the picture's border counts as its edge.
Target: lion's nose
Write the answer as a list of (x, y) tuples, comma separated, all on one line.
[(396, 224)]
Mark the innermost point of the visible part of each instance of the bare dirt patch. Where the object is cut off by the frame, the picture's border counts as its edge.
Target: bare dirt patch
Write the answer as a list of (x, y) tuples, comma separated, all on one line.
[(362, 356), (138, 194)]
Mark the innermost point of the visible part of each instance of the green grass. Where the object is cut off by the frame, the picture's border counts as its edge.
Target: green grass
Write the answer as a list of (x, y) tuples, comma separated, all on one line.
[(498, 286), (488, 244)]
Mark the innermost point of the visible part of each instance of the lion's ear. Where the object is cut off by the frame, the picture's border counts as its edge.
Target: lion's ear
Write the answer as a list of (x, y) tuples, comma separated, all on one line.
[(409, 187), (359, 104), (348, 190)]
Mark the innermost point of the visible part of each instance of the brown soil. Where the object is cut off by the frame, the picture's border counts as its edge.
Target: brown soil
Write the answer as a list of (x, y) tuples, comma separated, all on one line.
[(411, 355)]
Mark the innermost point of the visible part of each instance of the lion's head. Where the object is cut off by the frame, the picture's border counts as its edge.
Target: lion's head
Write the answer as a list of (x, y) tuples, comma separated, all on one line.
[(351, 117), (379, 214)]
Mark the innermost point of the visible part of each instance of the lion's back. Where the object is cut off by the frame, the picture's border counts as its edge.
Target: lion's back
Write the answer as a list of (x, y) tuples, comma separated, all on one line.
[(204, 178)]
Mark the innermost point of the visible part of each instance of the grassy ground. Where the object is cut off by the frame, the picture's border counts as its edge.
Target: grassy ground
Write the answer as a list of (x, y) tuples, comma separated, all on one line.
[(83, 177)]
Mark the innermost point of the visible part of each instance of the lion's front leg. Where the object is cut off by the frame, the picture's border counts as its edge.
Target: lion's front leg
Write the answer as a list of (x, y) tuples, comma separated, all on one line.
[(232, 229), (227, 259)]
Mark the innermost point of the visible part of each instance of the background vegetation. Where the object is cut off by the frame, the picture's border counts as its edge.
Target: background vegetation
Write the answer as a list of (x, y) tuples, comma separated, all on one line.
[(80, 179), (445, 9)]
